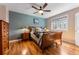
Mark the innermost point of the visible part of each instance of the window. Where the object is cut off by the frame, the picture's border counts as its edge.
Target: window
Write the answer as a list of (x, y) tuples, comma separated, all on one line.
[(59, 24)]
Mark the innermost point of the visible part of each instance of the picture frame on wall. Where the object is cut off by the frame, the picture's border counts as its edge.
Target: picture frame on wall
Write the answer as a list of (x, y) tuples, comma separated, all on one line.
[(36, 21)]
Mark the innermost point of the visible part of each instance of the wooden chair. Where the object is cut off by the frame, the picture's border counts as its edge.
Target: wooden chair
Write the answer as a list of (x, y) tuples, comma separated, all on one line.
[(47, 40), (51, 39), (57, 39)]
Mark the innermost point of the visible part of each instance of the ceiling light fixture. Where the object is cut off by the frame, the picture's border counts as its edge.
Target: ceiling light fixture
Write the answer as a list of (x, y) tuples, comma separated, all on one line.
[(41, 11)]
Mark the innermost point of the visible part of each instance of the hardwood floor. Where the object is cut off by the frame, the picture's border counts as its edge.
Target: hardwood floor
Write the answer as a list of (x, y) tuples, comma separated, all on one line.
[(65, 49), (24, 48), (30, 48)]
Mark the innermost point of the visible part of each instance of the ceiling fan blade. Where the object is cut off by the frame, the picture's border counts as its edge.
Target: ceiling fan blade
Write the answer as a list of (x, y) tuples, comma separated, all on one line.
[(47, 10), (45, 5), (35, 12), (35, 7), (34, 4)]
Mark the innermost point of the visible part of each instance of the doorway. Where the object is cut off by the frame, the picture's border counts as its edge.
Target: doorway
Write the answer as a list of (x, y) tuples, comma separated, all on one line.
[(77, 29)]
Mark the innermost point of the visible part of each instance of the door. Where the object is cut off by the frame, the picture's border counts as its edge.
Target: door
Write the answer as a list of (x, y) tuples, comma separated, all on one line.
[(77, 29)]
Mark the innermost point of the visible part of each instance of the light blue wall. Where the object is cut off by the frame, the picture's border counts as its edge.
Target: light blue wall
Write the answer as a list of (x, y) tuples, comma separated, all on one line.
[(18, 20)]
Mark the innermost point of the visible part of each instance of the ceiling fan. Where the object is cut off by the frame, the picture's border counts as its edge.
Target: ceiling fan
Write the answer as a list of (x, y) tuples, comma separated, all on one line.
[(41, 9)]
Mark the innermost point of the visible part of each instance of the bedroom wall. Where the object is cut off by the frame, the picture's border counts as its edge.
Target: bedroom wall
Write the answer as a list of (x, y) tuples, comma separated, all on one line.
[(68, 36), (4, 13), (18, 20)]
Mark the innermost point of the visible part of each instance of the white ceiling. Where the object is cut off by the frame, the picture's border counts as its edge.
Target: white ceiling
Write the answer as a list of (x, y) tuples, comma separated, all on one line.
[(55, 8)]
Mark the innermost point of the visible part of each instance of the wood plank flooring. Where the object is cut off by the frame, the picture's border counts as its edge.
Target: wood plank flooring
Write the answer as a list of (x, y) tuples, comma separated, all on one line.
[(65, 49), (24, 48), (30, 48)]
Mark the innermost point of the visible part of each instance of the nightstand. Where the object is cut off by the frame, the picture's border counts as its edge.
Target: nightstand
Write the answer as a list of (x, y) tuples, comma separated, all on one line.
[(25, 36)]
